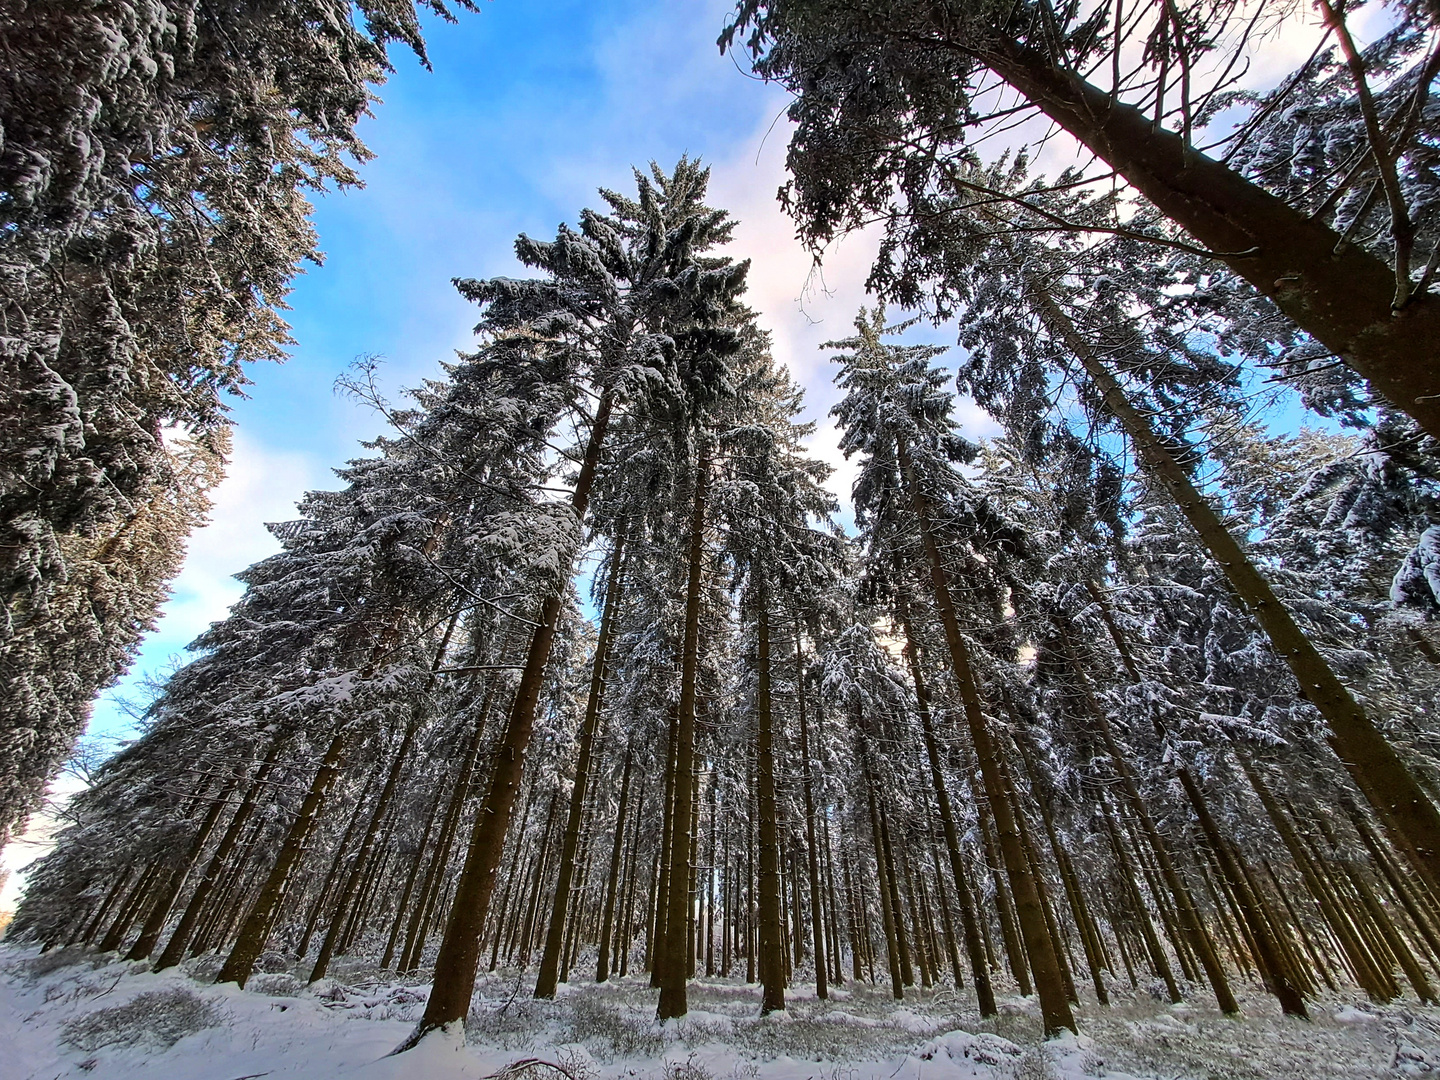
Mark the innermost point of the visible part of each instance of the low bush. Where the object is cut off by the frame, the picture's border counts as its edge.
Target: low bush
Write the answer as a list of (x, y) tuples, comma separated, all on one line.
[(159, 1018)]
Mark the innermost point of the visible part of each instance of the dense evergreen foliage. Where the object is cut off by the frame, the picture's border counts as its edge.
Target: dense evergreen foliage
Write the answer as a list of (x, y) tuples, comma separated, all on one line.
[(155, 162)]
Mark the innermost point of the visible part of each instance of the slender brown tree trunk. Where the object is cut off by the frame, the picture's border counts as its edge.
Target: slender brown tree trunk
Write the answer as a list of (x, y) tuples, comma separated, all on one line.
[(1044, 962), (772, 980), (367, 839), (160, 910), (974, 948), (673, 1001), (130, 910), (1037, 871), (817, 926), (253, 931), (174, 950), (1317, 960), (1189, 918), (106, 905), (1398, 885), (342, 849), (1372, 981), (459, 954), (1068, 879), (545, 981), (1394, 941), (947, 921), (537, 884), (612, 889), (659, 902), (1158, 960), (626, 930), (1267, 952), (1377, 769), (1005, 910), (887, 912)]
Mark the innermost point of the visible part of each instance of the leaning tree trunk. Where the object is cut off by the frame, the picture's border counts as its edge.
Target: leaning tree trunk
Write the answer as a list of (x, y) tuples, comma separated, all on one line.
[(549, 974), (1377, 769), (1267, 949), (674, 971), (180, 937), (974, 947), (362, 854), (256, 927), (160, 910), (1189, 918), (1339, 293), (1044, 964), (454, 981)]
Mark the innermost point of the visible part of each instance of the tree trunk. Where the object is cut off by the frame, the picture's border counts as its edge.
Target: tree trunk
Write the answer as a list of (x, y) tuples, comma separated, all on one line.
[(459, 955), (1054, 1007), (673, 1001), (1158, 960), (612, 887), (1374, 982), (882, 879), (1189, 919), (362, 854), (1339, 293), (546, 980), (772, 981), (822, 990), (1291, 1003), (979, 971), (1371, 760), (253, 931), (174, 950), (160, 910)]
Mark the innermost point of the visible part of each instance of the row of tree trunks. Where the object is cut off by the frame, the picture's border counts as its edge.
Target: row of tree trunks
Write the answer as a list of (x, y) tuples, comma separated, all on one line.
[(1377, 769)]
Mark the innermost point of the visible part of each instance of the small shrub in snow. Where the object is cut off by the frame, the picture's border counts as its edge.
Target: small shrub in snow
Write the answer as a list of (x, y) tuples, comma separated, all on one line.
[(56, 959), (568, 1065), (592, 1021), (279, 985), (158, 1017), (509, 1027), (273, 963), (203, 969), (689, 1069), (1035, 1065)]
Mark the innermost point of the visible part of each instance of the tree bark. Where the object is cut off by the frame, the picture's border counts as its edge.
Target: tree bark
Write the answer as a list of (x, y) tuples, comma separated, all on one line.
[(772, 980), (673, 1001), (253, 931), (160, 910), (460, 948), (822, 990), (1377, 769), (1339, 293), (974, 948), (545, 981), (612, 888), (1045, 965), (1268, 955)]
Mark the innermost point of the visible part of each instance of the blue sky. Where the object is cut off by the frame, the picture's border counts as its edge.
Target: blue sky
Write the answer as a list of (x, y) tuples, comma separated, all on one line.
[(529, 108)]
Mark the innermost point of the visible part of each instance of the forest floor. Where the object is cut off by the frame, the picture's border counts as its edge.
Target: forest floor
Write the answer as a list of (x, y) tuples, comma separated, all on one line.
[(77, 1014)]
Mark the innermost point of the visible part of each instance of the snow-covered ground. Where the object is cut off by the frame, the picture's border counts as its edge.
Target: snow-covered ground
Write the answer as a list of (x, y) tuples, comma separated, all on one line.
[(80, 1015)]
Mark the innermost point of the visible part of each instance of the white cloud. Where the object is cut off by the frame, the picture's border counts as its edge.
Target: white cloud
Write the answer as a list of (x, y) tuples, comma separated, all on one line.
[(261, 484)]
